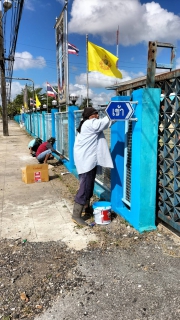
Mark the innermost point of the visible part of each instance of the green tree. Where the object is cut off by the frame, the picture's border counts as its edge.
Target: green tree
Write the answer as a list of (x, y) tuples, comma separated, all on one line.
[(84, 103), (15, 106)]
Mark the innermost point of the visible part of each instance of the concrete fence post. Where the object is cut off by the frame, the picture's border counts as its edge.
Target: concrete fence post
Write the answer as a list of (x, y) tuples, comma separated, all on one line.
[(71, 138), (53, 111), (142, 211)]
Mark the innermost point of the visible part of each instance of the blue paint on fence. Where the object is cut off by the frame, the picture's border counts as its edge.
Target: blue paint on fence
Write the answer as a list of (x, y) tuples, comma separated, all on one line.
[(141, 213)]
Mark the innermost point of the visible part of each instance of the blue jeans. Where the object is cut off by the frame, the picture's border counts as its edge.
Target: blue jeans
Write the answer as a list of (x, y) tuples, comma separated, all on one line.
[(43, 154)]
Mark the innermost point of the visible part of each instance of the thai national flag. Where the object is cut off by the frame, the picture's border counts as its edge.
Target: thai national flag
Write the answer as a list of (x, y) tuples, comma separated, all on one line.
[(51, 92), (72, 49), (31, 102)]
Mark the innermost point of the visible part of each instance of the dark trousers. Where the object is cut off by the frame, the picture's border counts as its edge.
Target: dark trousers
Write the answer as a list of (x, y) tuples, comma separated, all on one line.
[(86, 186)]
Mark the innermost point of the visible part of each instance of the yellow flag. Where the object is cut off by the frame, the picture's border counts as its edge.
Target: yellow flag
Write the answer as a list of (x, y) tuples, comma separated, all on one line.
[(103, 61), (25, 97), (38, 103)]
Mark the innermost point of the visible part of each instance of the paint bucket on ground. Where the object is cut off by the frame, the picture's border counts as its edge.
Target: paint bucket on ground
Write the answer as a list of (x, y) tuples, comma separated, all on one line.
[(102, 212)]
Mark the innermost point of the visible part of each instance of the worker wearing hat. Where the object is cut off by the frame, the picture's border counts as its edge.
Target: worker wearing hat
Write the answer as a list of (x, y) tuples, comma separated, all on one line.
[(91, 152)]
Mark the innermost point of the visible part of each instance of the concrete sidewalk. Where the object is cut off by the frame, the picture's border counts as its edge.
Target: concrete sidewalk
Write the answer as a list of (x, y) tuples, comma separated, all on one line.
[(36, 211)]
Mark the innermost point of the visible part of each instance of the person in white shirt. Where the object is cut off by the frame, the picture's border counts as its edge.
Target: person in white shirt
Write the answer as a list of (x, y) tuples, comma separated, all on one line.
[(91, 152)]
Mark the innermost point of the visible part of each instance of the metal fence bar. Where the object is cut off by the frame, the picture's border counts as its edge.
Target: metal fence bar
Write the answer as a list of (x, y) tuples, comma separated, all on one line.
[(36, 124), (48, 126), (61, 128), (127, 163), (41, 126)]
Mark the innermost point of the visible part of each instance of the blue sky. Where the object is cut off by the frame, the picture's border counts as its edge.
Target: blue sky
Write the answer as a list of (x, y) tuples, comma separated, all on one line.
[(139, 22)]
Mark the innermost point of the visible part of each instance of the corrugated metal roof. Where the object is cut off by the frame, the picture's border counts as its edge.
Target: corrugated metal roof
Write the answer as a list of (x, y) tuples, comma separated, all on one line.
[(141, 81)]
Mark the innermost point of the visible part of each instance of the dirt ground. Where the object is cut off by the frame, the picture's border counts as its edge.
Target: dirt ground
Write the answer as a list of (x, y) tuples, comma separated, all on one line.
[(34, 275)]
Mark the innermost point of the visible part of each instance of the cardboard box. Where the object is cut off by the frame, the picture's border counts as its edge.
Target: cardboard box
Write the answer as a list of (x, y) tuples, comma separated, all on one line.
[(35, 173)]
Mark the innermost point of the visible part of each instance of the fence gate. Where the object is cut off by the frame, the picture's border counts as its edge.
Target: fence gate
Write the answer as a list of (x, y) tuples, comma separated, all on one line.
[(168, 174)]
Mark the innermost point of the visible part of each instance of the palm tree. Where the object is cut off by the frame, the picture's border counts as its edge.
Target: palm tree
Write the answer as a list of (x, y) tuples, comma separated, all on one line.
[(84, 103)]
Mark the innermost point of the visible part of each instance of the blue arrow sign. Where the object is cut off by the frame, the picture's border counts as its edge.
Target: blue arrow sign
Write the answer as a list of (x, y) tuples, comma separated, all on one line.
[(119, 110)]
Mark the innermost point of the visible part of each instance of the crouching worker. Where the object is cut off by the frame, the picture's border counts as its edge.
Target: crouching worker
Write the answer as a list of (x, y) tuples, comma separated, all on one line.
[(33, 146), (45, 150), (90, 151)]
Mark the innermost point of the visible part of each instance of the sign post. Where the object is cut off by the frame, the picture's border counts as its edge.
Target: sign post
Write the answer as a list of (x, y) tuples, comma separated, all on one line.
[(119, 110)]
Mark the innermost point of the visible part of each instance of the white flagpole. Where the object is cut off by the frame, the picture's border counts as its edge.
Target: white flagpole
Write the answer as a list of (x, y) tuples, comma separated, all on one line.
[(47, 97), (117, 49), (87, 68)]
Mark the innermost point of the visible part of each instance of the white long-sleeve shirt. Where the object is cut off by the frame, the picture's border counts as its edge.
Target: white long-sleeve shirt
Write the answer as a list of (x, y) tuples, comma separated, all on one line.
[(91, 148)]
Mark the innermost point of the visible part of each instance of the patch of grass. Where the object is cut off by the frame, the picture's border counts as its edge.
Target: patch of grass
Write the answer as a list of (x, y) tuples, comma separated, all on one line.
[(104, 230), (92, 242), (125, 222), (78, 226)]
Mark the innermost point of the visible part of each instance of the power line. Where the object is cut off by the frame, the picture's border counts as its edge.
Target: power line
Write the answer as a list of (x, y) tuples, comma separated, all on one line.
[(79, 64), (16, 13)]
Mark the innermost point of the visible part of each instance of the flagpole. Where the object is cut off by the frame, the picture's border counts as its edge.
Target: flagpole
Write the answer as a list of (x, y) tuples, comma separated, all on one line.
[(66, 54), (117, 48), (87, 68), (46, 97), (33, 95)]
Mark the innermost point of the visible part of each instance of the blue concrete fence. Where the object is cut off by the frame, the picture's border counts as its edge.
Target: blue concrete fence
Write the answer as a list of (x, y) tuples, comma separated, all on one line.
[(135, 164)]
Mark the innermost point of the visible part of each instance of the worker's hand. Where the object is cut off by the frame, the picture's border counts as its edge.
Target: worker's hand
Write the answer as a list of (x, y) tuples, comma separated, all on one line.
[(111, 123)]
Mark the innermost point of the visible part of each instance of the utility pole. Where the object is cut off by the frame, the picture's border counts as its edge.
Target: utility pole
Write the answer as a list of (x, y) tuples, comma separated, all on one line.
[(3, 81)]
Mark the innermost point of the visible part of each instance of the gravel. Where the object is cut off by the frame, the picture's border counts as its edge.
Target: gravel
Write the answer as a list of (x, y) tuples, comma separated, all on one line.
[(123, 275)]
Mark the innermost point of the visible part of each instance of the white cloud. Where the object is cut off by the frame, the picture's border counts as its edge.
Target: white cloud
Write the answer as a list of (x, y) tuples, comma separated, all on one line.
[(98, 80), (25, 60), (102, 98), (96, 98), (137, 23), (16, 88)]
